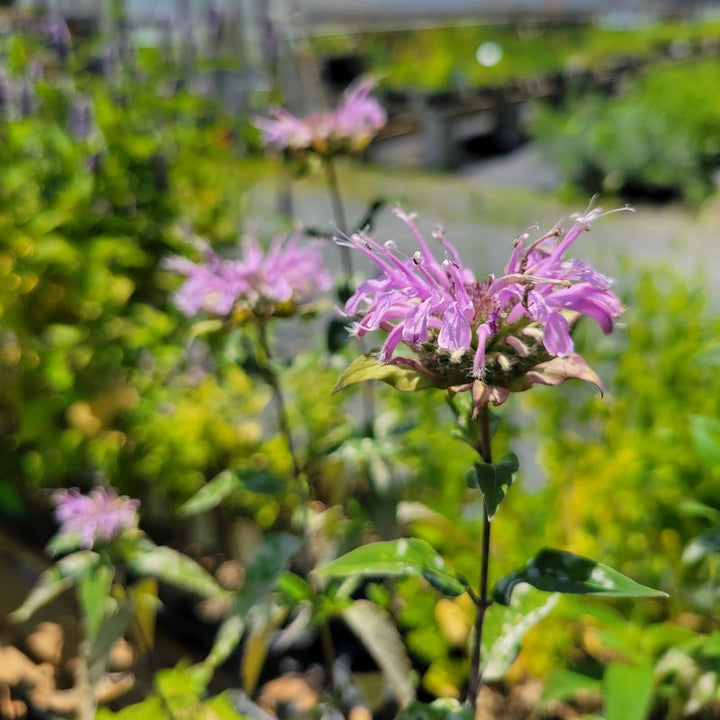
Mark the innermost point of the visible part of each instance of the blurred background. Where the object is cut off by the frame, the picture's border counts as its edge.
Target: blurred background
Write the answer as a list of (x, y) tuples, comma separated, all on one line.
[(126, 130)]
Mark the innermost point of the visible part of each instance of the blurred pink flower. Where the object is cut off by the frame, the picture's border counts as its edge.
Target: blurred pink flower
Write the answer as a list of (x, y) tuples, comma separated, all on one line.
[(492, 336), (96, 517), (285, 275), (349, 128)]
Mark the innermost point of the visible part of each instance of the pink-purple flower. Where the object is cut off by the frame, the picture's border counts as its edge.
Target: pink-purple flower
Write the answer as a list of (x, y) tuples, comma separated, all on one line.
[(349, 128), (97, 517), (266, 283), (492, 335)]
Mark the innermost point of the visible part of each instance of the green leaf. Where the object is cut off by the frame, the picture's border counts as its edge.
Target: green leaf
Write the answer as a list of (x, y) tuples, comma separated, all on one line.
[(695, 508), (63, 543), (263, 574), (628, 691), (701, 546), (266, 568), (65, 573), (401, 377), (407, 556), (265, 618), (111, 629), (223, 485), (226, 640), (174, 568), (211, 494), (505, 629), (293, 587), (93, 594), (442, 709), (495, 480), (705, 432), (377, 632), (559, 571), (566, 684), (262, 482)]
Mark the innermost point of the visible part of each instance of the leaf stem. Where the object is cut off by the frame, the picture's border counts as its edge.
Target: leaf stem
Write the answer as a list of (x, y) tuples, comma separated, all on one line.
[(482, 601)]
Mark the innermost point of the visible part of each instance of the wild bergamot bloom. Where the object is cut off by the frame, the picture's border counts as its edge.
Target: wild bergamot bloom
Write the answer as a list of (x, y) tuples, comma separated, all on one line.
[(96, 517), (265, 283), (349, 128), (492, 336)]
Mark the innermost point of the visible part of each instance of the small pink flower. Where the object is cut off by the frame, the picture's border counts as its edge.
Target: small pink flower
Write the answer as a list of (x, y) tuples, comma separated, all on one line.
[(286, 274), (349, 128), (97, 517)]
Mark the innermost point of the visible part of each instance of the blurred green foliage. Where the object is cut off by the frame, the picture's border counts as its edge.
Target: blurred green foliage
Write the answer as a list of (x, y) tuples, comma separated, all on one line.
[(95, 377), (98, 374), (660, 136), (447, 55)]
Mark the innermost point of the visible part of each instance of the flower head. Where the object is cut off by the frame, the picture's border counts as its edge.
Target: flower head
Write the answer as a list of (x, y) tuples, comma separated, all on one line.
[(96, 517), (262, 282), (493, 335), (349, 128)]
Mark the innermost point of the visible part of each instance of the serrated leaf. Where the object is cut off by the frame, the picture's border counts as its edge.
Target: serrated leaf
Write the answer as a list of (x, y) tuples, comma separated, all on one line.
[(494, 480), (93, 594), (705, 433), (62, 575), (564, 572), (375, 629), (401, 377), (174, 568), (399, 558), (211, 494), (628, 691), (505, 629)]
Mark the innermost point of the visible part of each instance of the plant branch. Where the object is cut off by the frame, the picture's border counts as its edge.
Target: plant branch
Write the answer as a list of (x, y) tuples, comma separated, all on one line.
[(482, 601)]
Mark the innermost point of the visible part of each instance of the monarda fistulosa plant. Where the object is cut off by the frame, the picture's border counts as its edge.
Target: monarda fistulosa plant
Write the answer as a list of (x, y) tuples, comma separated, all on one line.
[(99, 546), (480, 340)]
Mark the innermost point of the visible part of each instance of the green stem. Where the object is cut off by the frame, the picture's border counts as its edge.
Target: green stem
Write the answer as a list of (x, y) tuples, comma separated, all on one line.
[(339, 212), (304, 490), (276, 387), (482, 601), (368, 392), (87, 705)]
